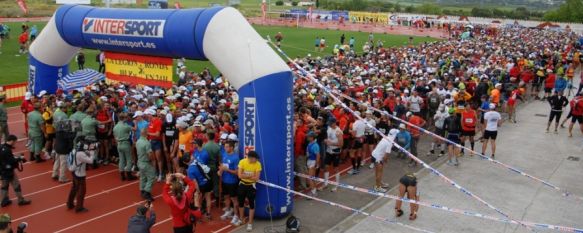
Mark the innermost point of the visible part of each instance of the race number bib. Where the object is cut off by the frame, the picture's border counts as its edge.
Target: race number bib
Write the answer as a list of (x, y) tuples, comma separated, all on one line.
[(226, 165), (182, 147), (169, 133)]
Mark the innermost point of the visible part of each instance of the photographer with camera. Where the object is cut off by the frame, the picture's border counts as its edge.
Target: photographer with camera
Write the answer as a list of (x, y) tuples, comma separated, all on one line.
[(178, 193), (6, 225), (9, 162), (140, 223), (85, 154)]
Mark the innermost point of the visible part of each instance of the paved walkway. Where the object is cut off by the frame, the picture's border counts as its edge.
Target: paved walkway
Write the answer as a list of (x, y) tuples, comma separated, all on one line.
[(524, 145)]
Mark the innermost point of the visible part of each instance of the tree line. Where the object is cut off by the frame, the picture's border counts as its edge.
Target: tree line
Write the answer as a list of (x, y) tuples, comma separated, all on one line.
[(570, 11)]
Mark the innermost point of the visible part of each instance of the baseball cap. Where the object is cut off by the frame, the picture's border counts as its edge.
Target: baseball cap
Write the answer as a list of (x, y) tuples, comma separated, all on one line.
[(402, 126), (224, 136), (5, 218), (138, 114), (492, 106), (27, 96), (233, 137)]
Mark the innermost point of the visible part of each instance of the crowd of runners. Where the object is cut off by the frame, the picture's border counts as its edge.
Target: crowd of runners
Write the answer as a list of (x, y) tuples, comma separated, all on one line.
[(460, 89)]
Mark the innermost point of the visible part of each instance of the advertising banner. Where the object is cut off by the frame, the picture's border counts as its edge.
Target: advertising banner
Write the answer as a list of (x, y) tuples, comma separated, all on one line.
[(137, 69), (158, 4), (86, 2), (367, 17)]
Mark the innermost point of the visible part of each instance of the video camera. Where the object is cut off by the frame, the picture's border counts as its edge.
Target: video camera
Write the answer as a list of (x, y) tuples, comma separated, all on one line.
[(21, 227), (20, 158)]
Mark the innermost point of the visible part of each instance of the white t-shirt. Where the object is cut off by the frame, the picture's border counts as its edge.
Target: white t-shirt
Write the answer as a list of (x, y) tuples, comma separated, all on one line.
[(369, 130), (492, 118), (359, 127), (331, 135), (384, 147), (415, 103)]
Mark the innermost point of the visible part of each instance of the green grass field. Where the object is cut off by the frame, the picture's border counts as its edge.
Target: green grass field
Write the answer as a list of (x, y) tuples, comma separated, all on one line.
[(297, 42)]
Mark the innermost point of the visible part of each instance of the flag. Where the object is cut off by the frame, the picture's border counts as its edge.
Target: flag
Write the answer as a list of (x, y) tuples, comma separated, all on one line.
[(177, 5), (264, 9), (22, 5)]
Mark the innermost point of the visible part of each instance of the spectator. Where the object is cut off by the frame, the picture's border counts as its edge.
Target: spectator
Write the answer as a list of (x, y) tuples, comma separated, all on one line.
[(140, 223)]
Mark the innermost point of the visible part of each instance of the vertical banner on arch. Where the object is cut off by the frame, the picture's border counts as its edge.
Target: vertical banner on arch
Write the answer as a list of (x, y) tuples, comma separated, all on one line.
[(137, 69)]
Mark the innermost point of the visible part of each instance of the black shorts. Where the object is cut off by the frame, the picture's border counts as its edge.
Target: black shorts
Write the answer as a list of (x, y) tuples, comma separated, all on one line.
[(577, 119), (556, 115), (50, 137), (246, 192), (470, 133), (440, 132), (332, 159), (490, 135), (453, 138), (102, 136), (208, 187), (230, 189), (548, 89), (357, 143), (347, 143), (408, 181), (370, 139)]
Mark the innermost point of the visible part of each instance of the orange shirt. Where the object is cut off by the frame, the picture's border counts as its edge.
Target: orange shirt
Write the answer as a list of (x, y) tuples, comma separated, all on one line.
[(184, 142), (418, 121), (495, 96)]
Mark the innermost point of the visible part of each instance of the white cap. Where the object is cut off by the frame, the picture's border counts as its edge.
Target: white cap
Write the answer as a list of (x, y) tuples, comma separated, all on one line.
[(41, 93), (150, 112), (27, 96), (402, 126), (393, 132), (169, 118), (181, 124), (138, 114), (409, 114), (492, 106), (60, 103), (224, 136), (197, 124), (233, 137)]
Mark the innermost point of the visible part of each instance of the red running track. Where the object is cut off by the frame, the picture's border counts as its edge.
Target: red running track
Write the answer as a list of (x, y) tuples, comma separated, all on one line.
[(110, 201)]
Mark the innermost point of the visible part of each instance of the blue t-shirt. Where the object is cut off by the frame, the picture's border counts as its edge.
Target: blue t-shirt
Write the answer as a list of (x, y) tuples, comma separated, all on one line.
[(143, 124), (202, 156), (194, 173), (313, 150), (232, 161), (485, 105)]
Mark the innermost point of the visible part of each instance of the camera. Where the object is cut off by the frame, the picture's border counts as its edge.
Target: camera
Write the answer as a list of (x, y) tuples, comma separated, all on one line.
[(21, 227), (20, 158)]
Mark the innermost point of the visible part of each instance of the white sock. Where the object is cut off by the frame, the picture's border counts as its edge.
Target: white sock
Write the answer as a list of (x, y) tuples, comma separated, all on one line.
[(337, 178), (326, 177), (432, 145)]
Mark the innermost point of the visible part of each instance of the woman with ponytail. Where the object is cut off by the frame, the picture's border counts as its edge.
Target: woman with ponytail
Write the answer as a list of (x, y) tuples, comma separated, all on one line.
[(178, 193)]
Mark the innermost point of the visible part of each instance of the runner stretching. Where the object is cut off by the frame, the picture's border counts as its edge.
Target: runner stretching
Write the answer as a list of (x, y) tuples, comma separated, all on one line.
[(408, 184)]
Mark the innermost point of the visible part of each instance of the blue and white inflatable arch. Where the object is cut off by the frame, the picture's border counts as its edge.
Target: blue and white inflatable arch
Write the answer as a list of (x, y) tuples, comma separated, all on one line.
[(221, 35)]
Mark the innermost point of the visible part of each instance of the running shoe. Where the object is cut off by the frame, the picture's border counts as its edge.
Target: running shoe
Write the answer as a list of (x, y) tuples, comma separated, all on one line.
[(334, 189), (228, 214), (159, 178), (236, 221), (450, 163), (249, 227), (352, 172), (371, 165), (384, 185), (442, 153), (379, 189), (430, 152)]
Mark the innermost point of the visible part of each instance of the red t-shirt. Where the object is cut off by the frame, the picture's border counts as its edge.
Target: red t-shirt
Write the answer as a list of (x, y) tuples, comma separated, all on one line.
[(415, 120), (26, 107), (102, 116), (155, 126)]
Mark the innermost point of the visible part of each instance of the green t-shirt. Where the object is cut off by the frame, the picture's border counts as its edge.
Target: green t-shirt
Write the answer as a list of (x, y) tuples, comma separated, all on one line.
[(59, 115), (89, 127), (121, 132), (144, 149), (213, 149), (35, 122)]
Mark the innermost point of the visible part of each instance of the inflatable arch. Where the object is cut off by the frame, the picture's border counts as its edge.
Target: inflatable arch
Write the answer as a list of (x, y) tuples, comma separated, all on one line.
[(221, 35)]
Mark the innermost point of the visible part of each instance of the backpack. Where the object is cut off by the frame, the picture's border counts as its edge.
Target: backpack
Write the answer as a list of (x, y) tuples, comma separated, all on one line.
[(72, 160), (469, 120), (401, 141), (204, 170)]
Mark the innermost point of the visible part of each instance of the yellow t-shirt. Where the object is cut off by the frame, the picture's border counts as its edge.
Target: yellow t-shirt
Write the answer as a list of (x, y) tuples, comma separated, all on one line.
[(249, 169), (47, 117), (184, 142)]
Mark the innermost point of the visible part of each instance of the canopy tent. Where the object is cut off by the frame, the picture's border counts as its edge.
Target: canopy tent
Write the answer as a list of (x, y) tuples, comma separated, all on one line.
[(79, 79)]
